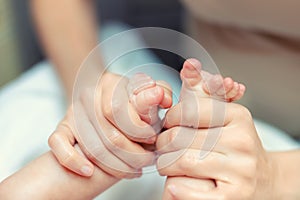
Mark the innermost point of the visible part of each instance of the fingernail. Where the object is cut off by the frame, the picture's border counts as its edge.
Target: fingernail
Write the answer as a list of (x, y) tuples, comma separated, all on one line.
[(86, 170), (196, 63)]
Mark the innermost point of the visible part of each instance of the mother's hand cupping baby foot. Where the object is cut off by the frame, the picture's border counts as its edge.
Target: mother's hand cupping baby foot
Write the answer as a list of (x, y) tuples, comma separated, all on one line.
[(236, 161), (215, 159)]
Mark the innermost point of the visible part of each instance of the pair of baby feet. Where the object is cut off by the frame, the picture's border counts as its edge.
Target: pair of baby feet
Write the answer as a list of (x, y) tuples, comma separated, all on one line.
[(148, 95)]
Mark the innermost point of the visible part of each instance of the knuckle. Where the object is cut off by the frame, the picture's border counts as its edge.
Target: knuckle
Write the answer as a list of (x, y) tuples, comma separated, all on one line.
[(242, 112), (243, 143), (53, 139), (186, 162)]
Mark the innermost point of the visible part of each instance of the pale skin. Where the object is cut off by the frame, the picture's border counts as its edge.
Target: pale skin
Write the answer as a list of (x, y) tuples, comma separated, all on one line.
[(67, 59), (235, 164), (185, 180), (75, 22), (68, 156), (68, 31), (143, 100), (238, 164)]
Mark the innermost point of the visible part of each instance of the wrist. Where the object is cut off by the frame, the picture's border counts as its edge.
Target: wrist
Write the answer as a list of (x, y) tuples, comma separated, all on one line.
[(286, 174)]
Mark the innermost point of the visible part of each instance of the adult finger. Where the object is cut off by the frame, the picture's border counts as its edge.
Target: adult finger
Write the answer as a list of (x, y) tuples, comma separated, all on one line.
[(202, 113), (114, 140), (125, 149), (109, 148), (94, 148), (62, 144), (225, 140), (187, 188), (167, 100), (179, 137), (183, 192), (117, 109), (190, 163)]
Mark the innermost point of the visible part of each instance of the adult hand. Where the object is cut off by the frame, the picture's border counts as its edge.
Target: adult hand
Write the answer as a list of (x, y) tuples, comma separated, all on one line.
[(111, 138), (237, 163)]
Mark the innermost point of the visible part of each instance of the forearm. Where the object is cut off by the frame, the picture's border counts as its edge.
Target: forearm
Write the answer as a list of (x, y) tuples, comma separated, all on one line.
[(68, 32), (288, 174), (45, 178)]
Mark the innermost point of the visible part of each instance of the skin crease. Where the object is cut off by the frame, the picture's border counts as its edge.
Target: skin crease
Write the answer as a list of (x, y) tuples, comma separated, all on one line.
[(45, 178), (67, 52), (122, 141), (146, 95), (119, 144), (236, 174), (234, 164), (238, 164), (75, 19)]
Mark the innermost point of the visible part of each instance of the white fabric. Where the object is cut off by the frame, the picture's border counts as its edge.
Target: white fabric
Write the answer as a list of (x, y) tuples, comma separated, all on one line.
[(31, 107)]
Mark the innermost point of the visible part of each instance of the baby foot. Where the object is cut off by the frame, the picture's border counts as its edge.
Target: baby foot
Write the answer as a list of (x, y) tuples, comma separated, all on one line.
[(199, 82), (147, 96)]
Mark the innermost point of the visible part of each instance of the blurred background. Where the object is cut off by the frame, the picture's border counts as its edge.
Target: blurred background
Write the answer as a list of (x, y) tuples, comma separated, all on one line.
[(19, 48), (276, 57)]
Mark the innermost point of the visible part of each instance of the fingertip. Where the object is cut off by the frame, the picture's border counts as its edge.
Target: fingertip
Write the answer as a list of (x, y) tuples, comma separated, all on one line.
[(166, 102), (78, 163), (195, 63), (242, 88), (170, 119), (228, 84), (87, 170)]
